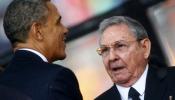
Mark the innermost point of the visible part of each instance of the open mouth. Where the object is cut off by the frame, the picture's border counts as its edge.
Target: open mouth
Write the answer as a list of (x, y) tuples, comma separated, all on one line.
[(117, 68)]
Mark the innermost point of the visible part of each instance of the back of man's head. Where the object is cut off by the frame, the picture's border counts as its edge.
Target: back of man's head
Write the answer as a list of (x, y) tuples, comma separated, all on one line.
[(20, 15)]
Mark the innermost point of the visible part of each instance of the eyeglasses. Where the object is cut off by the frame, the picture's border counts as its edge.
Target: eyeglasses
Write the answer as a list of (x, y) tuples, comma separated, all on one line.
[(118, 46)]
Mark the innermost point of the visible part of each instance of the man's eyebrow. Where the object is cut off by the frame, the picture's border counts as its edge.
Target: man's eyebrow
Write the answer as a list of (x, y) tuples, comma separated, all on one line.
[(119, 41)]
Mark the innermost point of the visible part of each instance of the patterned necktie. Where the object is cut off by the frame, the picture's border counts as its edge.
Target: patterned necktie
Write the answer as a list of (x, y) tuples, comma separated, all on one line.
[(133, 94)]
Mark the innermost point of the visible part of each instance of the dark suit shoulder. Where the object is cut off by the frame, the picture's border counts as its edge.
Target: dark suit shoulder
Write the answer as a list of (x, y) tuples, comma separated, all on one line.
[(171, 74), (40, 80), (57, 68), (61, 74), (63, 71), (7, 93), (171, 69), (65, 85), (110, 94)]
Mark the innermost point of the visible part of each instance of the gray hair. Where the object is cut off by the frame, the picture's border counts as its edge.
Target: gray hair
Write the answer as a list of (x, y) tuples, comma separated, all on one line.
[(20, 15), (137, 29)]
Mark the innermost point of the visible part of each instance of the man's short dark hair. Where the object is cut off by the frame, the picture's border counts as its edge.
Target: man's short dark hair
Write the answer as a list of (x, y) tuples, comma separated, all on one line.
[(20, 15)]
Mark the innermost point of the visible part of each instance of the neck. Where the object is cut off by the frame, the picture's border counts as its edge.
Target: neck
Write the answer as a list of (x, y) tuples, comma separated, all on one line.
[(37, 48)]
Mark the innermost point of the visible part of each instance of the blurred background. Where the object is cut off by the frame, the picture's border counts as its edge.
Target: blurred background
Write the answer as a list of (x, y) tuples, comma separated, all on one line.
[(82, 17)]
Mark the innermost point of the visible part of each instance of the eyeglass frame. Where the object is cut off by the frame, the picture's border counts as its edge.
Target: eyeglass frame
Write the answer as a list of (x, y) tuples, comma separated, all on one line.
[(112, 46)]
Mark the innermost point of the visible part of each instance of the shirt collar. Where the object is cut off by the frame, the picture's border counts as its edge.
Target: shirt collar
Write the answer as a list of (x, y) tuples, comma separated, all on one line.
[(36, 52), (139, 86)]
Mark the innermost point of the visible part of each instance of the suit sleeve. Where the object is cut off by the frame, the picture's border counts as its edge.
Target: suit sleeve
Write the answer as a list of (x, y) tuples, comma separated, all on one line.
[(65, 86)]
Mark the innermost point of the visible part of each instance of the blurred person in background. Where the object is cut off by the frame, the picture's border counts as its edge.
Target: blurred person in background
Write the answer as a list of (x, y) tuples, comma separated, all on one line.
[(125, 50), (38, 38)]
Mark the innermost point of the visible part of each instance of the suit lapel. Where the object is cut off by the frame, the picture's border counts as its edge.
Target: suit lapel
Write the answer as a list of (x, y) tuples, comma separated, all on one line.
[(114, 93), (111, 94), (155, 84)]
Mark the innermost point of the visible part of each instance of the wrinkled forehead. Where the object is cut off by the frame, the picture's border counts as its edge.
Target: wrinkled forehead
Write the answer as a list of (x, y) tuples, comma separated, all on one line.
[(116, 33)]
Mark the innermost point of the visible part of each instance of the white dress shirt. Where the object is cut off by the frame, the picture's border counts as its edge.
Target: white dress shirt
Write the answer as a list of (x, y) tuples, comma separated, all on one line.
[(139, 86), (36, 52)]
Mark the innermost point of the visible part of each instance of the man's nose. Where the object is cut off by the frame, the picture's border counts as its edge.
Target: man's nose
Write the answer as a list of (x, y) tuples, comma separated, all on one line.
[(113, 55), (66, 30)]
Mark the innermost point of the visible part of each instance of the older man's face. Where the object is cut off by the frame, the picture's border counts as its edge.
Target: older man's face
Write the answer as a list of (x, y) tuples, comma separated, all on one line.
[(123, 56)]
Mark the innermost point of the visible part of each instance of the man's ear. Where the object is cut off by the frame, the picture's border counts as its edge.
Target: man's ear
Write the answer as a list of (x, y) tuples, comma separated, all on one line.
[(36, 31), (146, 45)]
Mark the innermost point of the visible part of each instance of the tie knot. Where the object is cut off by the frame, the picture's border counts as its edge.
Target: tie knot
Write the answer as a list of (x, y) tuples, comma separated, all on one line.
[(134, 94)]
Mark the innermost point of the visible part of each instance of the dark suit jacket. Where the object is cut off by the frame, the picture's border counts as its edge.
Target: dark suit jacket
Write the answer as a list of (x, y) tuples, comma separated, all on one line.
[(29, 74), (160, 84), (7, 93)]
